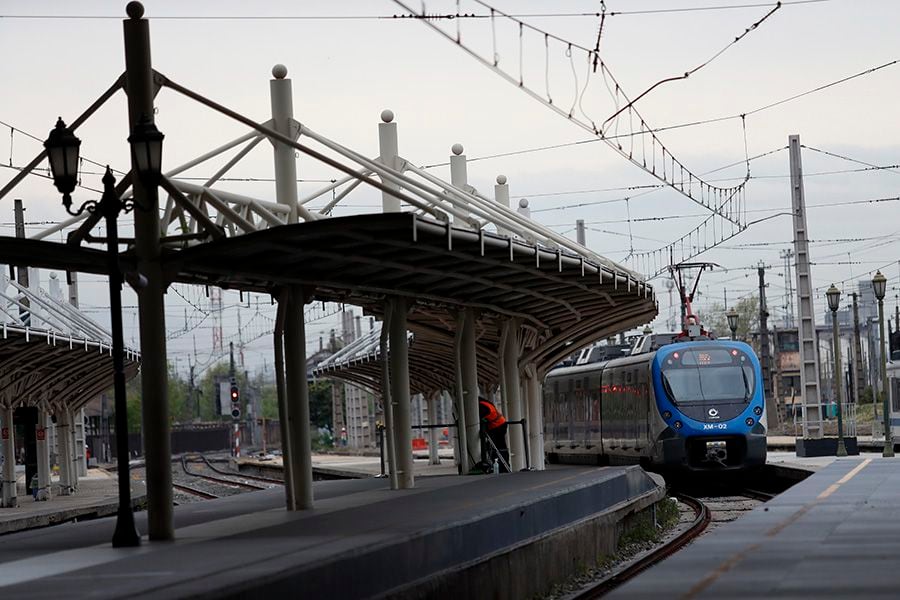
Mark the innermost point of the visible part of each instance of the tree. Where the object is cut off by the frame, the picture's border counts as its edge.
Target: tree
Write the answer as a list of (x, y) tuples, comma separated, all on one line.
[(179, 408), (320, 403), (715, 318)]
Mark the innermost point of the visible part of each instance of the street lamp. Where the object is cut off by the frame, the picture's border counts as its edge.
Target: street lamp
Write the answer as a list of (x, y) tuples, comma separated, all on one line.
[(62, 152), (62, 149), (146, 148), (879, 284), (732, 317), (834, 299)]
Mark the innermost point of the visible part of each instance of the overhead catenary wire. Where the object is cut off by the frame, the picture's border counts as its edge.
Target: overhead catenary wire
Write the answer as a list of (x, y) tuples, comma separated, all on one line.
[(659, 161), (757, 110), (396, 17)]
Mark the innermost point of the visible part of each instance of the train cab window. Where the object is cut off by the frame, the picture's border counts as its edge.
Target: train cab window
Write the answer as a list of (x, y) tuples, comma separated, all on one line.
[(700, 375)]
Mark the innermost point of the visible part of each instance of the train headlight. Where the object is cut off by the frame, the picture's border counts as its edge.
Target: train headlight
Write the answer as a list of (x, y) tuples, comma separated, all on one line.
[(749, 421), (757, 411), (667, 415), (677, 425)]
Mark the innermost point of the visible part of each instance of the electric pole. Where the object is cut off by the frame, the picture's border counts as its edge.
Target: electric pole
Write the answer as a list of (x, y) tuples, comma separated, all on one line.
[(771, 407), (857, 353)]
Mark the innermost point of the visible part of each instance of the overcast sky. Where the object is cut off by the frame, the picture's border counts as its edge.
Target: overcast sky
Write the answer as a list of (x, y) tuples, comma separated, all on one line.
[(346, 71)]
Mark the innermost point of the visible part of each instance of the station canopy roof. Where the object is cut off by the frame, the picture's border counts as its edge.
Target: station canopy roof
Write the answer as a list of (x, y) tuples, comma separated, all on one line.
[(51, 354), (561, 300)]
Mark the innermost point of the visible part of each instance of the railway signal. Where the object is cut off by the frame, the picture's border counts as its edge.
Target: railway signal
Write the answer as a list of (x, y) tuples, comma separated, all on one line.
[(235, 400)]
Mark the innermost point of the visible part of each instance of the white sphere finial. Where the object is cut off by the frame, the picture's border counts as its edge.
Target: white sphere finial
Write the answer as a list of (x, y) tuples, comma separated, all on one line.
[(457, 149), (501, 179), (387, 115), (523, 203), (279, 71)]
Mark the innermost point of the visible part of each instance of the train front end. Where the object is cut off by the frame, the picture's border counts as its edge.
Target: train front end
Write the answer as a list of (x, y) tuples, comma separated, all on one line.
[(709, 395)]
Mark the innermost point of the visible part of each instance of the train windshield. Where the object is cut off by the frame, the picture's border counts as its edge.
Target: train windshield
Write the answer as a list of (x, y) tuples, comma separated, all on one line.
[(708, 375)]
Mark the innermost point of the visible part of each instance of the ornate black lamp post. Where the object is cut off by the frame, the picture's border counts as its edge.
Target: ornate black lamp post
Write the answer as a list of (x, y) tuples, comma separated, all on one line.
[(62, 149), (834, 300), (879, 285), (732, 317)]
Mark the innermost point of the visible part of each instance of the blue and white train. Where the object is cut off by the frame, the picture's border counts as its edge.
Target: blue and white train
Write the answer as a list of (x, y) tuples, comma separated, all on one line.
[(693, 405)]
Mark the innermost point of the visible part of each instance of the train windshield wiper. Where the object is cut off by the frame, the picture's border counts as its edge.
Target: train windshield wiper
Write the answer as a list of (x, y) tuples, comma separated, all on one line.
[(668, 388), (746, 385)]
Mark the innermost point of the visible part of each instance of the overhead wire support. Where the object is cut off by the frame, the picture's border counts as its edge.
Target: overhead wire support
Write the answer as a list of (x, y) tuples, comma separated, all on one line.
[(659, 161)]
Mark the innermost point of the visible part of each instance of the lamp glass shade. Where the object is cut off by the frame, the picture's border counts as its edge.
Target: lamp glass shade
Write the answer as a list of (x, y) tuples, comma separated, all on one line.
[(732, 320), (146, 148), (879, 284), (62, 153), (834, 297)]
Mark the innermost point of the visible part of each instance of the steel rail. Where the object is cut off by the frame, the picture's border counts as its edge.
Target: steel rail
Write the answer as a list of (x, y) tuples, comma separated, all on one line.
[(244, 475), (194, 491), (219, 480), (699, 525)]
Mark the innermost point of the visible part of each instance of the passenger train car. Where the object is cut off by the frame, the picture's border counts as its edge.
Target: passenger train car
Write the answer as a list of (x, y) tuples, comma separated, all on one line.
[(695, 405)]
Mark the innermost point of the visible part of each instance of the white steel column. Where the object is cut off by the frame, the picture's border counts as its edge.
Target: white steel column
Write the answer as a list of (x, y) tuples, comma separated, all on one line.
[(400, 395), (64, 441), (501, 196), (285, 159), (510, 391), (281, 394), (43, 456), (296, 389), (388, 436), (298, 401), (9, 455), (809, 364), (535, 418), (80, 457), (459, 176), (469, 399), (388, 149), (433, 436), (455, 439)]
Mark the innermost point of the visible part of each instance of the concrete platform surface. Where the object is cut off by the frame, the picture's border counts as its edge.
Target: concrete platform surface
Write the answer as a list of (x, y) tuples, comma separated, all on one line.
[(361, 540), (834, 535), (97, 496)]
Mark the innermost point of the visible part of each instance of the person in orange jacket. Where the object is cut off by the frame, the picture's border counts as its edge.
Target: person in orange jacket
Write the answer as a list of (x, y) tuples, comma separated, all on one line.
[(495, 427)]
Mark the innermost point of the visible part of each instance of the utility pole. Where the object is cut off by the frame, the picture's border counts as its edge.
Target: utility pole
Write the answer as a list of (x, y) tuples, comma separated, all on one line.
[(771, 406), (194, 406), (787, 255), (22, 271), (236, 439), (579, 232), (809, 367), (857, 352), (777, 383)]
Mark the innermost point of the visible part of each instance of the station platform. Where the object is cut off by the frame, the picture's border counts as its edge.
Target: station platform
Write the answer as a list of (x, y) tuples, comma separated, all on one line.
[(97, 496), (361, 540), (834, 535)]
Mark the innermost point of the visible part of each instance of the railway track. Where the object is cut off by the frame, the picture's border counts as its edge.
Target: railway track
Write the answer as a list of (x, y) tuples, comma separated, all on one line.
[(192, 491), (220, 480), (710, 511), (215, 469)]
